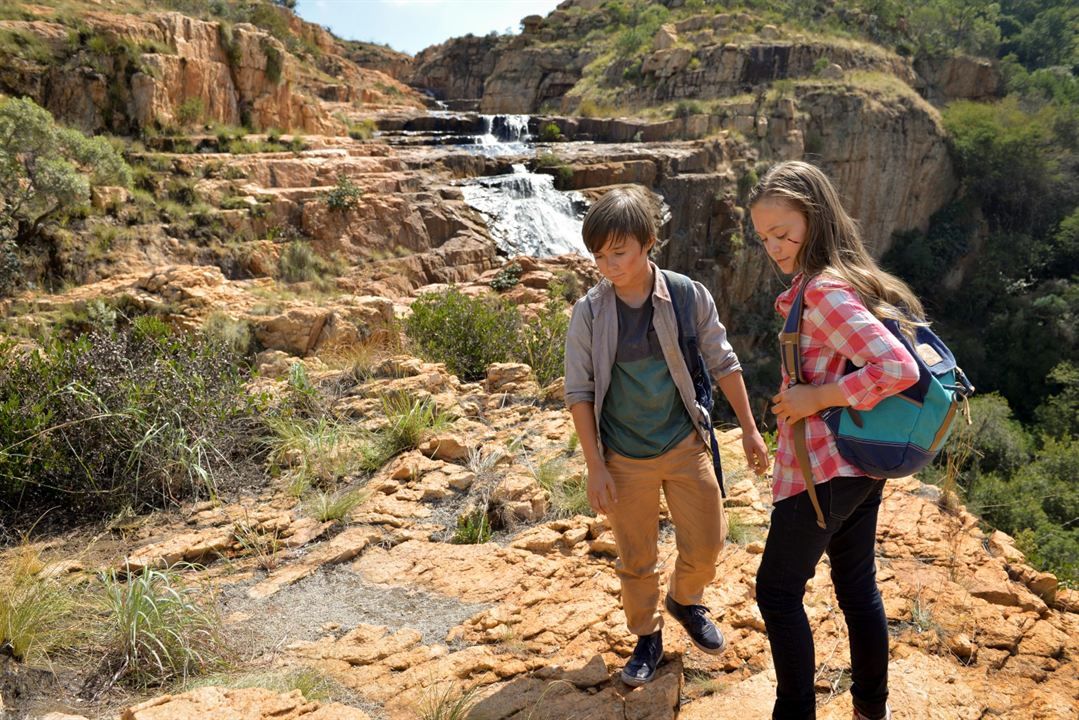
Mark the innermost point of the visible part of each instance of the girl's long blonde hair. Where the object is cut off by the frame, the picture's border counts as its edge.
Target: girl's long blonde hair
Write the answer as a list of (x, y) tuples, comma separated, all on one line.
[(833, 244)]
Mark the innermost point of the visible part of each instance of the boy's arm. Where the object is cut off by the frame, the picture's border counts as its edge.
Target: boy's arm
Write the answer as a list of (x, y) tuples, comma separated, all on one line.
[(724, 367), (601, 492), (734, 389)]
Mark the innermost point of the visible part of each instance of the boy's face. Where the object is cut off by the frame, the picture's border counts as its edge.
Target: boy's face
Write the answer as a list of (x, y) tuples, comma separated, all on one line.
[(623, 261), (782, 229)]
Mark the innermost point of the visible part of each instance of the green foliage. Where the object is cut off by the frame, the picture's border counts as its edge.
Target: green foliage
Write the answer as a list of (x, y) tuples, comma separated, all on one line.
[(275, 61), (343, 196), (138, 417), (1059, 414), (687, 108), (36, 613), (507, 277), (190, 111), (230, 333), (156, 629), (568, 494), (333, 507), (363, 130), (299, 263), (409, 420), (467, 333), (47, 171), (550, 133), (551, 164), (543, 341), (1038, 506), (317, 451), (473, 528)]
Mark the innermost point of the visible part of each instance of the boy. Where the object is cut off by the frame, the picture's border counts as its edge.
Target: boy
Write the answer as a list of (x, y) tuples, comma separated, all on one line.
[(635, 412)]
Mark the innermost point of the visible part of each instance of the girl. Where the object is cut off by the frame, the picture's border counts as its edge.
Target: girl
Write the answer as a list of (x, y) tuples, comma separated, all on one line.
[(799, 217)]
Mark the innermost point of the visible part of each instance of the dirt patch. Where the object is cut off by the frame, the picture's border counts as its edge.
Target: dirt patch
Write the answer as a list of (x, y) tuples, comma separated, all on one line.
[(332, 602)]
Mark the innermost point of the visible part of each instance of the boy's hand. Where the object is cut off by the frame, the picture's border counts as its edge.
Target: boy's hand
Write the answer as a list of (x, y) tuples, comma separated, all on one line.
[(601, 492), (756, 451)]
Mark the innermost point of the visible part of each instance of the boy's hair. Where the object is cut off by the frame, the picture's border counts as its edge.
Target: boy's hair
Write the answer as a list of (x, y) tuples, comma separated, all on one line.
[(621, 212), (833, 243)]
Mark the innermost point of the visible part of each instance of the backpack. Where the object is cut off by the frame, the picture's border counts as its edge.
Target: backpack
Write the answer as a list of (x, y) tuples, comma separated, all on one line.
[(683, 297), (685, 313), (903, 432)]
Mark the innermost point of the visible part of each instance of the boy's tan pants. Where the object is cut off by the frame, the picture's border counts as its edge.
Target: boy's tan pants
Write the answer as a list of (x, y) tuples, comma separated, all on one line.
[(689, 484)]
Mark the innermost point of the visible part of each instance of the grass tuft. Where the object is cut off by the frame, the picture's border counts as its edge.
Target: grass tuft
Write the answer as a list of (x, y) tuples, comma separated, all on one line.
[(156, 630)]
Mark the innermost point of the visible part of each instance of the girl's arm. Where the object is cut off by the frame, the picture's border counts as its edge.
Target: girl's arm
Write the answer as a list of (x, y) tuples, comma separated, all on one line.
[(842, 322)]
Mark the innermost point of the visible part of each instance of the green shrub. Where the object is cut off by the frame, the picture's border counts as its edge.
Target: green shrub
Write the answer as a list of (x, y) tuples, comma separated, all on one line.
[(542, 342), (335, 507), (183, 191), (299, 263), (363, 130), (345, 195), (466, 333), (473, 528), (550, 133), (190, 111), (507, 277), (319, 451), (275, 61), (687, 108), (156, 630), (139, 417)]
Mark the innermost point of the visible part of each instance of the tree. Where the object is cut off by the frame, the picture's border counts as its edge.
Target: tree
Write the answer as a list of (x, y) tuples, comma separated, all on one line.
[(45, 170)]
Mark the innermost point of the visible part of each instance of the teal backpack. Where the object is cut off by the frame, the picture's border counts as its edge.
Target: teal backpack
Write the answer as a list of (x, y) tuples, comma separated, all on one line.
[(903, 432)]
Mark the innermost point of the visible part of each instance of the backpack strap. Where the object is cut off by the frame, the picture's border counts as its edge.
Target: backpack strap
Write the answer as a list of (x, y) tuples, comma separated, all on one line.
[(683, 297), (791, 357)]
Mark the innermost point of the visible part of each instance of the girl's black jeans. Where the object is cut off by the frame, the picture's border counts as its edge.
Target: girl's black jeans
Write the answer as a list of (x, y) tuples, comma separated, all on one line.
[(795, 545)]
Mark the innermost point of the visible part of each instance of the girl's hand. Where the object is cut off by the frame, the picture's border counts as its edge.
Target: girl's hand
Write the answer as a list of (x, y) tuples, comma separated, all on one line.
[(756, 451), (797, 402), (601, 492)]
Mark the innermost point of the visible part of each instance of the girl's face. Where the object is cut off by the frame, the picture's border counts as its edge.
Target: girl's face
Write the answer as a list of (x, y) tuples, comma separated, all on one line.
[(782, 229), (623, 261)]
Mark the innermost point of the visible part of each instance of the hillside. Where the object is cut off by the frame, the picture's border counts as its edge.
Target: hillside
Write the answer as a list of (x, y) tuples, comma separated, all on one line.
[(274, 371)]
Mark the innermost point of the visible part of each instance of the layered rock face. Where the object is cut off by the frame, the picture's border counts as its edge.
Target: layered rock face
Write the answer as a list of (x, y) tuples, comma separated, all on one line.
[(159, 67)]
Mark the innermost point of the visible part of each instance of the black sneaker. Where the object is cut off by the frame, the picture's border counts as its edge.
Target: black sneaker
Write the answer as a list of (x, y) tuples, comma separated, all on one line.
[(646, 656), (702, 632)]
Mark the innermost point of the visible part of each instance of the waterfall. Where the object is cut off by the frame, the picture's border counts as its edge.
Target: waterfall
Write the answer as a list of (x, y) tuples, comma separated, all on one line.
[(504, 135), (526, 215)]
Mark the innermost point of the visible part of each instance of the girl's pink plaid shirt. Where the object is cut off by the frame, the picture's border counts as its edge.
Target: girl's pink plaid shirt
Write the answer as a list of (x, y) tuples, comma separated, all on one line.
[(837, 327)]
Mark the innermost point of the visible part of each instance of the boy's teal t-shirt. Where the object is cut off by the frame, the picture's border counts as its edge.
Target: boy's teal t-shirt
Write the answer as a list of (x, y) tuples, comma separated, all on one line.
[(643, 415)]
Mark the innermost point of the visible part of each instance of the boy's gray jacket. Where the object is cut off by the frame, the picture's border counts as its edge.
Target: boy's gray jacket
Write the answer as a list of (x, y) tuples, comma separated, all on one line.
[(592, 341)]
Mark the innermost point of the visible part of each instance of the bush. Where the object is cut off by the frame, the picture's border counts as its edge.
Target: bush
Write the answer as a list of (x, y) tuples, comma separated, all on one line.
[(568, 493), (550, 133), (466, 333), (346, 194), (299, 263), (189, 112), (363, 130), (687, 108), (542, 342), (137, 418), (507, 277)]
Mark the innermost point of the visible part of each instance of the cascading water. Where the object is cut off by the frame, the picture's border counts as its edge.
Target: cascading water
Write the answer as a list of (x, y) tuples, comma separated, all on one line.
[(526, 215), (504, 135)]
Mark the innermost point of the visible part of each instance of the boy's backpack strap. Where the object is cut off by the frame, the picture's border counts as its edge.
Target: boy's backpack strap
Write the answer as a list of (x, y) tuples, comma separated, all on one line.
[(684, 299), (791, 356)]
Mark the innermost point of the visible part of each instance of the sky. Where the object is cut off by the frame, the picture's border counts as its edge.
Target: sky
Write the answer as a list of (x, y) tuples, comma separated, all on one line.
[(412, 25)]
